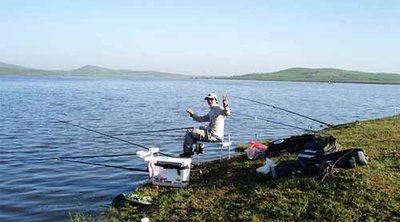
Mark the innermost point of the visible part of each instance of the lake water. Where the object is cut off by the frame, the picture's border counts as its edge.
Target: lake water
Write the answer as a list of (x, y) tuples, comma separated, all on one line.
[(49, 190)]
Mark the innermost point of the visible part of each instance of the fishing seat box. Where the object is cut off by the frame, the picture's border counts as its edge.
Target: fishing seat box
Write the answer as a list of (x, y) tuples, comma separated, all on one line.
[(173, 172)]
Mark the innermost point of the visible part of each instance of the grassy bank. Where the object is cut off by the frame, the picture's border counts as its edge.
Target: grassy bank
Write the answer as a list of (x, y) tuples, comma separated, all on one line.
[(233, 191)]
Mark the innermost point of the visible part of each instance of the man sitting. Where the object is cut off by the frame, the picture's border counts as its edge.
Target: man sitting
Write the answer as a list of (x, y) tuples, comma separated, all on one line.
[(214, 132)]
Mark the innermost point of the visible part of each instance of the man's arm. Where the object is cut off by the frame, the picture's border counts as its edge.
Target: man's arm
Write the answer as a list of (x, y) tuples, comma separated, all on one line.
[(197, 118)]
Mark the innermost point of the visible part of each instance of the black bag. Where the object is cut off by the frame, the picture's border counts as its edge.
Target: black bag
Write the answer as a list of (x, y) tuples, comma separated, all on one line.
[(343, 159), (312, 166), (293, 168), (289, 169), (309, 145)]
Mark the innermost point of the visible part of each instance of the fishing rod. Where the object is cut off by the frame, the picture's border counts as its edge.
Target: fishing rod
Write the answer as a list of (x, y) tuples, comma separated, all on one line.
[(82, 157), (113, 137), (106, 165), (285, 110), (153, 131), (68, 159), (279, 123)]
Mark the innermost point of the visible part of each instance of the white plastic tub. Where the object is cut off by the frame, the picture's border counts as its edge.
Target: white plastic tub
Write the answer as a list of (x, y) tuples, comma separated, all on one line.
[(174, 172)]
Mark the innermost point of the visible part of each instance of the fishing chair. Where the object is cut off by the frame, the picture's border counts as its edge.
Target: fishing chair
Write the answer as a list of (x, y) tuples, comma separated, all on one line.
[(225, 143)]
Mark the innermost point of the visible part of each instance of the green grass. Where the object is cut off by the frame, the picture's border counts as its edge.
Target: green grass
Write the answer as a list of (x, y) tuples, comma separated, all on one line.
[(233, 191)]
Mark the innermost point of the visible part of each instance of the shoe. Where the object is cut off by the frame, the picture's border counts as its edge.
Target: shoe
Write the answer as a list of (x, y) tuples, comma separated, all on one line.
[(264, 169), (269, 163), (186, 155), (199, 149)]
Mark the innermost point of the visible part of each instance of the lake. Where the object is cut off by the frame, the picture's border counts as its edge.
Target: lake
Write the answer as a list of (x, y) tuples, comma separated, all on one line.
[(48, 190)]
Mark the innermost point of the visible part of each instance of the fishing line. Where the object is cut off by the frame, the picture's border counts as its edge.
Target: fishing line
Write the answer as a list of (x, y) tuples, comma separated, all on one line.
[(106, 165), (279, 123), (285, 110), (81, 157), (169, 136), (153, 131), (113, 137), (68, 159)]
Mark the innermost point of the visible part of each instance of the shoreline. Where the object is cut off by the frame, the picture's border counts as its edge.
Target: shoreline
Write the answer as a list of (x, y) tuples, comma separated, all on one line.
[(187, 79), (231, 190), (317, 81)]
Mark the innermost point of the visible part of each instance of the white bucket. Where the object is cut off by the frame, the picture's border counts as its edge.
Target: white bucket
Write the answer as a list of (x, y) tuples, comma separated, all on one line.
[(173, 172)]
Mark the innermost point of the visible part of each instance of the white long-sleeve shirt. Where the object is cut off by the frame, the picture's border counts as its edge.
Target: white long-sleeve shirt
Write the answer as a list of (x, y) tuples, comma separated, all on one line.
[(216, 119)]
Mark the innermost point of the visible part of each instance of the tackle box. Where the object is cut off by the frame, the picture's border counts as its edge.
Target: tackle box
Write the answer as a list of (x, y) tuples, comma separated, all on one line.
[(174, 172)]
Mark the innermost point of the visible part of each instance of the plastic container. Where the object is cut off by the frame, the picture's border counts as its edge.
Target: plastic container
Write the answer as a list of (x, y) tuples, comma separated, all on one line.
[(174, 172)]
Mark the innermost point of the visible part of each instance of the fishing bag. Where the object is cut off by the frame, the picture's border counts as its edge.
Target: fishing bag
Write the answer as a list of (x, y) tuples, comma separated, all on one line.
[(343, 159), (312, 166), (305, 146)]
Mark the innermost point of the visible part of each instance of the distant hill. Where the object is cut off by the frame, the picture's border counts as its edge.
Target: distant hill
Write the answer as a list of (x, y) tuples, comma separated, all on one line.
[(292, 74), (10, 66), (16, 69), (322, 75), (90, 70), (158, 75)]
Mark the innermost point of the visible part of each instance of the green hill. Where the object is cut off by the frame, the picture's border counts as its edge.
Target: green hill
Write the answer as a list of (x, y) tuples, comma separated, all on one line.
[(322, 75), (90, 70), (10, 66), (16, 69), (292, 74)]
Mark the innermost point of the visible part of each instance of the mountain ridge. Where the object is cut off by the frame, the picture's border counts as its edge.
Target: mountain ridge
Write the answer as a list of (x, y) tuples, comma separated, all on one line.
[(302, 74), (11, 66), (299, 74), (92, 70)]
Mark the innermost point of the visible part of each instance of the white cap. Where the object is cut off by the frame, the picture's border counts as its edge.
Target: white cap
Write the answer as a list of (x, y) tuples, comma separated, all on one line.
[(211, 96)]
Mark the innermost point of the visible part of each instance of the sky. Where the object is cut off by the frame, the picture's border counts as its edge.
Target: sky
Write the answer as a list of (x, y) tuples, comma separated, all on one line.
[(208, 37)]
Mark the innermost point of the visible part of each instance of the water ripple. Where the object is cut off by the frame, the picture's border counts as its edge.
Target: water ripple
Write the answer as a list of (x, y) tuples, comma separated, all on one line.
[(47, 190)]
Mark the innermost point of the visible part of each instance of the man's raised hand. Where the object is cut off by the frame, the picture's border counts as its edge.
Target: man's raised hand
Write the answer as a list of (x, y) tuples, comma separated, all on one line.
[(225, 101), (190, 112)]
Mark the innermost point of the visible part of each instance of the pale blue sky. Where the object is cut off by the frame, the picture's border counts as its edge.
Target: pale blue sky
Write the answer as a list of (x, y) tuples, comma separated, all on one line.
[(202, 37)]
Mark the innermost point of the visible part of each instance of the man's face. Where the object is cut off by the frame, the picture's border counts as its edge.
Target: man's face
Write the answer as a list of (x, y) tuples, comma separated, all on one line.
[(211, 102)]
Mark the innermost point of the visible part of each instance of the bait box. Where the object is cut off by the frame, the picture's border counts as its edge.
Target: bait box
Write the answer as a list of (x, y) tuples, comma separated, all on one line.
[(173, 172)]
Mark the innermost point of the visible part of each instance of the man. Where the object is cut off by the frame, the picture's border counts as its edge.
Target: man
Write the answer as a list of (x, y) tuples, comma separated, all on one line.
[(214, 132)]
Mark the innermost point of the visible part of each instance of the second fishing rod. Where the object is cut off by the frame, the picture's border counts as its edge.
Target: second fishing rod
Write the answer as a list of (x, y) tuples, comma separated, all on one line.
[(278, 123), (285, 110), (110, 136)]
